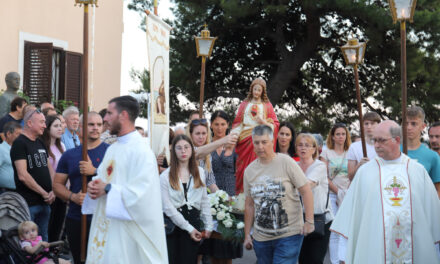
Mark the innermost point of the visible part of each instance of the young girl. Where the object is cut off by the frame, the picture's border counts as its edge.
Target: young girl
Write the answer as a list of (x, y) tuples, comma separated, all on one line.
[(55, 148), (185, 201), (30, 241)]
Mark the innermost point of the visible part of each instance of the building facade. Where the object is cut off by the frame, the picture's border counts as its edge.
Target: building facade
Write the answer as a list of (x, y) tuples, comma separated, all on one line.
[(43, 41)]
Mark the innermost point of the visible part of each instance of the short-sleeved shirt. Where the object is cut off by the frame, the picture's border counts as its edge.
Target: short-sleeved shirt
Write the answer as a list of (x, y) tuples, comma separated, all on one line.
[(273, 188), (337, 167), (355, 151), (6, 170), (429, 159), (69, 164), (35, 154), (70, 140), (7, 118)]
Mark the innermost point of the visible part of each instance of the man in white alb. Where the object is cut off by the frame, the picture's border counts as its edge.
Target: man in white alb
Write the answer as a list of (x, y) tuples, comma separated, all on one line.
[(127, 226), (391, 211)]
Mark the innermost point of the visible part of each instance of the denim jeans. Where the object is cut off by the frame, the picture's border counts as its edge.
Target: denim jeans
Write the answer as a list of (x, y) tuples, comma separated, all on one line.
[(279, 251), (40, 214)]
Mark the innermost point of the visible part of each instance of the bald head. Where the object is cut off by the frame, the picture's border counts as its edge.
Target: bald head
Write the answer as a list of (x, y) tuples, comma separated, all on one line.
[(94, 126), (386, 137)]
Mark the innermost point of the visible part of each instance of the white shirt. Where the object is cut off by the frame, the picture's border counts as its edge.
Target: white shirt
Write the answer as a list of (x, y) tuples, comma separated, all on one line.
[(317, 173), (355, 151), (173, 199)]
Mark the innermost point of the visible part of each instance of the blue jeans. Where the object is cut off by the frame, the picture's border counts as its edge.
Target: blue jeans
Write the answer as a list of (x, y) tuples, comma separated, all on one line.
[(40, 214), (279, 251)]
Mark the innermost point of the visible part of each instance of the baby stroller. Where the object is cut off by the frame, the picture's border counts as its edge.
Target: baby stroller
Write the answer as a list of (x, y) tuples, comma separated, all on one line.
[(13, 211)]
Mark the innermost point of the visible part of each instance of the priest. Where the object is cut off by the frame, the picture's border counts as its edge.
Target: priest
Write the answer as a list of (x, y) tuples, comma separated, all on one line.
[(391, 211), (127, 225)]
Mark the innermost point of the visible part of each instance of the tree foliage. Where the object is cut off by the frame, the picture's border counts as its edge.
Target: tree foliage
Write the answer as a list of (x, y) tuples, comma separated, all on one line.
[(295, 44)]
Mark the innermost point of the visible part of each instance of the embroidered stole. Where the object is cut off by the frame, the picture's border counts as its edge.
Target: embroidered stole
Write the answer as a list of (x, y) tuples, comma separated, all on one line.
[(395, 192)]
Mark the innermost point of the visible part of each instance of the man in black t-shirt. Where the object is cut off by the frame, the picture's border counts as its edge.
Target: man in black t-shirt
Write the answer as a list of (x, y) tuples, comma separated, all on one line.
[(32, 170)]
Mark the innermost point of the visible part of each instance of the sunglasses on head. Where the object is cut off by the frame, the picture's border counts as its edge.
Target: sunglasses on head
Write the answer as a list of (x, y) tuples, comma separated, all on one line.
[(35, 111), (201, 121), (340, 125)]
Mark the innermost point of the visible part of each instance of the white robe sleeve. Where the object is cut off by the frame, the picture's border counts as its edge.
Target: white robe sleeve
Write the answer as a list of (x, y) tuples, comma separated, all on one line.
[(205, 209), (168, 208), (115, 206)]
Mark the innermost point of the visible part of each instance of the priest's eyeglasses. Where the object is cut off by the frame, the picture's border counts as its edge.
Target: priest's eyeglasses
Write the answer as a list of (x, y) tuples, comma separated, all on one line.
[(380, 140)]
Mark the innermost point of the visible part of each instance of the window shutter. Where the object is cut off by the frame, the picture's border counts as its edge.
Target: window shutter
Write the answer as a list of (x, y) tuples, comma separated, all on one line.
[(73, 77), (37, 79)]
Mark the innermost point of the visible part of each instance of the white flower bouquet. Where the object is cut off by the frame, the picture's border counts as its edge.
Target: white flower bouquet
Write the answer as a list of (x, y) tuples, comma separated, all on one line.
[(228, 224)]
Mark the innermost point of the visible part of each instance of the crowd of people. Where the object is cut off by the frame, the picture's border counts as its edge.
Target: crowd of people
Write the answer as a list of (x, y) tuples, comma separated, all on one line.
[(303, 199)]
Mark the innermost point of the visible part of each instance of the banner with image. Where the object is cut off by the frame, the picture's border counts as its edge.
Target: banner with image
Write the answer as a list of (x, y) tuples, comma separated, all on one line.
[(158, 48)]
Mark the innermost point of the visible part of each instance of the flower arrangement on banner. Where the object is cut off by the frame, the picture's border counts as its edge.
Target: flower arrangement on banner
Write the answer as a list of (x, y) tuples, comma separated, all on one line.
[(226, 210)]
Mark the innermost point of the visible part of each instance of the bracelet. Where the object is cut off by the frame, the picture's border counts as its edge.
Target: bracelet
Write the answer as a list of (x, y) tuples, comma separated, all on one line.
[(70, 196), (312, 223)]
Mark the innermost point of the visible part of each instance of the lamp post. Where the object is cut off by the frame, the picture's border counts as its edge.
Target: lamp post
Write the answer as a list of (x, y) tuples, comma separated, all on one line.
[(204, 45), (84, 104), (403, 10), (353, 52)]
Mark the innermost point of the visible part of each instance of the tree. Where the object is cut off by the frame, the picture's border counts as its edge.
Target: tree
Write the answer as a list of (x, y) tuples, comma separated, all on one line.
[(295, 46), (143, 77)]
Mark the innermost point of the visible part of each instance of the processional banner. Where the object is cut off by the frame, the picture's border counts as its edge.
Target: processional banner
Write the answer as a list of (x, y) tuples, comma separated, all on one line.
[(158, 47)]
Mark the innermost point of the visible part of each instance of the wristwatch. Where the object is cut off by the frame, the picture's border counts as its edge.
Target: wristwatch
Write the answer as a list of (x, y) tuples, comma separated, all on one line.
[(107, 188)]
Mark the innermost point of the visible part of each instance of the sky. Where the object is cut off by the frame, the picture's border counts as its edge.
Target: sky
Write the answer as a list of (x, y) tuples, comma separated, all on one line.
[(134, 44)]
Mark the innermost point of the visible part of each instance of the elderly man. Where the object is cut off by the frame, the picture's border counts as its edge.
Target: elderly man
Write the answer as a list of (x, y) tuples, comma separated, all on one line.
[(70, 137), (12, 130), (391, 211), (272, 205), (32, 171), (123, 230)]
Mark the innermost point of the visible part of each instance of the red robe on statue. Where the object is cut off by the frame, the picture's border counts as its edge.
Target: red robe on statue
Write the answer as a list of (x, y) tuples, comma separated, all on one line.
[(245, 147)]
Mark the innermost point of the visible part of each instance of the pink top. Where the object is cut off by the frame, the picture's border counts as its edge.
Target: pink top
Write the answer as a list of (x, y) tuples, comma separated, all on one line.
[(56, 152)]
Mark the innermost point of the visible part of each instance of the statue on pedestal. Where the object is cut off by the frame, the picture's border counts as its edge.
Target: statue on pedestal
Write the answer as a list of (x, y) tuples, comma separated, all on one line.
[(12, 80)]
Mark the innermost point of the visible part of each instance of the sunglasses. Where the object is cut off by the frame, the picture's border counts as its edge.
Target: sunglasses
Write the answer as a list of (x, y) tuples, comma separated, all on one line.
[(201, 121), (35, 111), (340, 125)]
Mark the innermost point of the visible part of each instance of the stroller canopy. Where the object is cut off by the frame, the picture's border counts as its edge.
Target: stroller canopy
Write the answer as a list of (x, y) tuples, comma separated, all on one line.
[(13, 210)]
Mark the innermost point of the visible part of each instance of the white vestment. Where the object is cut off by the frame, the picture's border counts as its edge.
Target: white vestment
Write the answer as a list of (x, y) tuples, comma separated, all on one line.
[(361, 216), (130, 228)]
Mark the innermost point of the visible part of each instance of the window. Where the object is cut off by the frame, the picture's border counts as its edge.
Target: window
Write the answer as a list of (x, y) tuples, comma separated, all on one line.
[(51, 73)]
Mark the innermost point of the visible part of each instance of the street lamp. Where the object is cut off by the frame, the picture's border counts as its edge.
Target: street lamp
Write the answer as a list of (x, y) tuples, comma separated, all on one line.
[(403, 10), (84, 104), (354, 52), (204, 45)]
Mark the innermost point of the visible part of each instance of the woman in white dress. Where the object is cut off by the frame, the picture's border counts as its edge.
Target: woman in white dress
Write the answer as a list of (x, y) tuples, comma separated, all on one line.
[(338, 142)]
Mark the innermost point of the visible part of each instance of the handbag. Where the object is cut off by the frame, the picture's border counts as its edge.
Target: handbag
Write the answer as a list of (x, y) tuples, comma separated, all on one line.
[(319, 220), (169, 225)]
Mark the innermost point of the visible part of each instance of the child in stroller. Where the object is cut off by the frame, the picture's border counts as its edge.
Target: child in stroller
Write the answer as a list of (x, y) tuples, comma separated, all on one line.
[(31, 242), (13, 211)]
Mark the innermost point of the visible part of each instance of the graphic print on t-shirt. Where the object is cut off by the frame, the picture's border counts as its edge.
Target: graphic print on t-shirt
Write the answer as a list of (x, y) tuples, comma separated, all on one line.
[(37, 159), (270, 216)]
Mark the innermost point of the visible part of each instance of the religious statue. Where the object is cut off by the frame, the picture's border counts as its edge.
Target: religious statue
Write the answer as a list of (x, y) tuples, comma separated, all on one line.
[(12, 80), (161, 101), (255, 110)]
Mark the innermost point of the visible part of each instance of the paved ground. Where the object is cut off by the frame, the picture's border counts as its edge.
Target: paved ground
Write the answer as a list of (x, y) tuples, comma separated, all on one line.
[(250, 258)]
